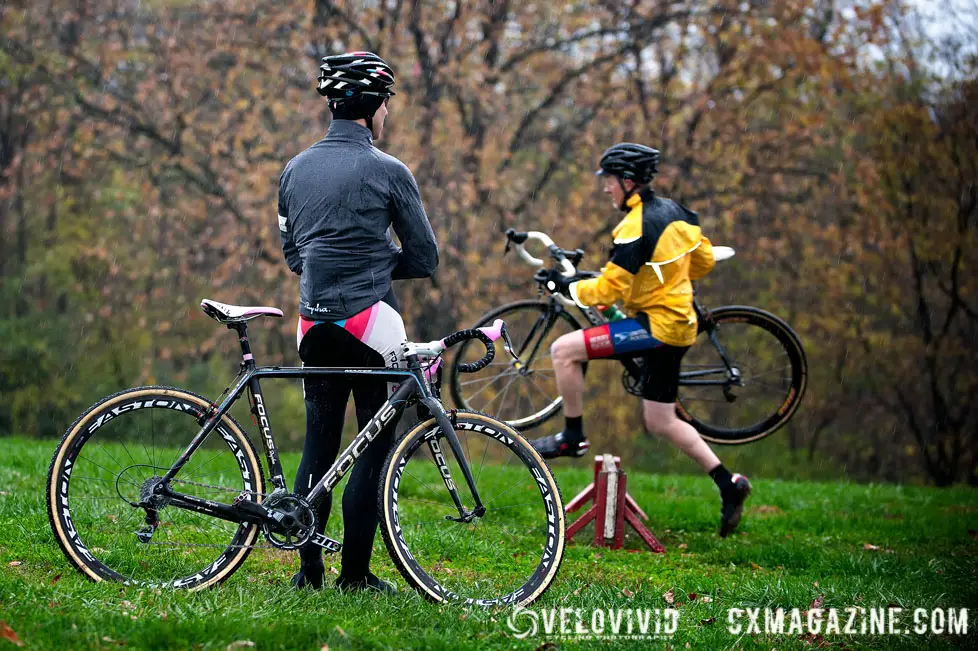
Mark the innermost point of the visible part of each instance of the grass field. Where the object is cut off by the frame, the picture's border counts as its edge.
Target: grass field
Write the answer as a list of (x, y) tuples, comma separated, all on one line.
[(801, 543)]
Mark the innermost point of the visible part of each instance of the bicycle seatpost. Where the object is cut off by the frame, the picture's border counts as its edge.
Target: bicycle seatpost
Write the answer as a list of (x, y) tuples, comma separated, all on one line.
[(247, 359)]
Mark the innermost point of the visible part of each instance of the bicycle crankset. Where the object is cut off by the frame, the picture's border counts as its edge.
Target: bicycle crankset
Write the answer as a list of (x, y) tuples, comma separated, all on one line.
[(294, 521), (632, 384)]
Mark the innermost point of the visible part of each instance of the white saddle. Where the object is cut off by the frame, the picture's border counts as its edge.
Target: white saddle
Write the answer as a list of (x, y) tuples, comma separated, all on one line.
[(224, 313), (722, 253)]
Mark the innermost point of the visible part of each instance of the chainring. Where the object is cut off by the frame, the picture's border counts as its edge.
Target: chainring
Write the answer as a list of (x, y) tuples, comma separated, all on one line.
[(298, 521)]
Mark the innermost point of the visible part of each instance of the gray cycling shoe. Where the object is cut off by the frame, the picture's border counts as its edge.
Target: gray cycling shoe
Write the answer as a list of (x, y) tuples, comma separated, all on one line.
[(560, 445)]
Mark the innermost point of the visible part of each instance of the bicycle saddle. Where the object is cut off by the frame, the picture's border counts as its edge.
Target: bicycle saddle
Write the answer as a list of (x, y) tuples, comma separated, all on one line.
[(223, 313)]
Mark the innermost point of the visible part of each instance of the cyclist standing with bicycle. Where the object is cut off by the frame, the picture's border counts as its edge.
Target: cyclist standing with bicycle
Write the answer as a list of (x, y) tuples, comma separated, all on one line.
[(658, 250), (338, 200)]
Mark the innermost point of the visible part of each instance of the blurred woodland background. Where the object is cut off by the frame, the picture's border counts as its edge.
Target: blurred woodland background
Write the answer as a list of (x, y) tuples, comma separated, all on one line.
[(833, 143)]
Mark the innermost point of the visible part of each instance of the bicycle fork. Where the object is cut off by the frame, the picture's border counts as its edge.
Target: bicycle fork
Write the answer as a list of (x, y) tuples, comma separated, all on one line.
[(447, 427)]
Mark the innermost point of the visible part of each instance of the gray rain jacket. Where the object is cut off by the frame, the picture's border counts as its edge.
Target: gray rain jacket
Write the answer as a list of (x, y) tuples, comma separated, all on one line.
[(336, 203)]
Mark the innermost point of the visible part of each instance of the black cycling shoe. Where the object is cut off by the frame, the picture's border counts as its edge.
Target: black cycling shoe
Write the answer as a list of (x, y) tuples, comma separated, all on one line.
[(733, 504), (309, 578), (370, 582), (551, 447)]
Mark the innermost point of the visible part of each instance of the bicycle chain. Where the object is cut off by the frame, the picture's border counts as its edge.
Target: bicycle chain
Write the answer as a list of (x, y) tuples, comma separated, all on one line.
[(219, 488), (226, 490)]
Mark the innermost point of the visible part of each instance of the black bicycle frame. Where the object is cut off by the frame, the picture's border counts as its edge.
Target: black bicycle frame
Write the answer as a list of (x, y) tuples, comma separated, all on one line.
[(595, 318), (413, 387)]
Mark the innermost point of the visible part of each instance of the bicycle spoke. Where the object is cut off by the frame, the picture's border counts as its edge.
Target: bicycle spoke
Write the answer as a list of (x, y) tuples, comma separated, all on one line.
[(490, 380), (509, 537), (533, 329), (758, 346), (120, 455), (501, 394)]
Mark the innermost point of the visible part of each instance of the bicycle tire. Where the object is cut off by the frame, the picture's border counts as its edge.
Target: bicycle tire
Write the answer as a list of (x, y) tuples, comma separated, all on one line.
[(513, 417), (796, 380), (84, 517), (533, 548)]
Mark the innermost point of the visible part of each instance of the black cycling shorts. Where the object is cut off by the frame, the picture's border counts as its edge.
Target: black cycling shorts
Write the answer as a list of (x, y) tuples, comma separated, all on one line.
[(631, 338)]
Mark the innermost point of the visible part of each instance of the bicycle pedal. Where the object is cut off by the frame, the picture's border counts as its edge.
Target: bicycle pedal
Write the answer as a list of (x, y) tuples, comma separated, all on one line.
[(328, 544)]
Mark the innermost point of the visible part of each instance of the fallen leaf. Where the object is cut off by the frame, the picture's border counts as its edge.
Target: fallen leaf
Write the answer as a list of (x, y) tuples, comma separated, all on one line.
[(817, 603), (706, 600), (692, 596), (8, 634), (240, 644), (754, 566), (708, 620), (766, 508), (333, 570), (628, 593), (324, 647), (869, 547), (57, 577), (341, 631), (670, 597), (683, 546), (15, 563)]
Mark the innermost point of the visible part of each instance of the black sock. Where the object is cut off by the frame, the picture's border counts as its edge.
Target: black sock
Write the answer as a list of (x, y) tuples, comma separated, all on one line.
[(722, 478), (573, 428)]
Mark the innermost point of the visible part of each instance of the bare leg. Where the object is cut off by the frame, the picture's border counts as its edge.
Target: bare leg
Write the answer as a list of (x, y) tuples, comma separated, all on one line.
[(661, 419), (568, 354)]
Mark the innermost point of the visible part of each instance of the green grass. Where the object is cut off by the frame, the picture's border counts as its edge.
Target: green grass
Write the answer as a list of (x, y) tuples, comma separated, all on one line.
[(799, 542)]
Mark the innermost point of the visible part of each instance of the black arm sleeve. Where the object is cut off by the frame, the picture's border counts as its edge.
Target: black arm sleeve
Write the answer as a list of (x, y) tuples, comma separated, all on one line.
[(292, 257), (419, 255)]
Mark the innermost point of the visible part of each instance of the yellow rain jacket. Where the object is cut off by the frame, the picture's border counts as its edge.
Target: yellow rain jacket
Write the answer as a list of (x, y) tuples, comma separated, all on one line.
[(658, 250)]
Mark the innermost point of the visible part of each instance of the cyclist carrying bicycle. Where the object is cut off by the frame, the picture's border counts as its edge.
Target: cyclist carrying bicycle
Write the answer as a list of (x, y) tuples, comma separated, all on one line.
[(658, 250), (338, 200)]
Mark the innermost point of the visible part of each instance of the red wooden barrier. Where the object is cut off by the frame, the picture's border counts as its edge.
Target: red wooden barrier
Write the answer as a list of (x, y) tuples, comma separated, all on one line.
[(612, 508)]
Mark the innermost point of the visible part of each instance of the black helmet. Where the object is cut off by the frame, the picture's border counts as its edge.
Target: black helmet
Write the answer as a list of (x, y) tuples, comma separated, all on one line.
[(346, 76), (627, 160)]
